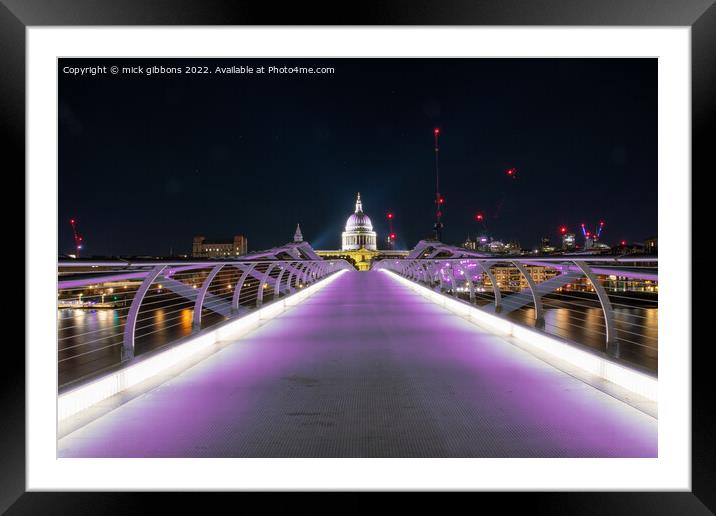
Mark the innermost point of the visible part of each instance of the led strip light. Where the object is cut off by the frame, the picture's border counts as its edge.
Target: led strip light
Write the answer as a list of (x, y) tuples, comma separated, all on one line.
[(621, 375), (85, 396)]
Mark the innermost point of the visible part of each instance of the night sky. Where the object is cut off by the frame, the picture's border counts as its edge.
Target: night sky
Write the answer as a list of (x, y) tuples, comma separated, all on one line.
[(147, 162)]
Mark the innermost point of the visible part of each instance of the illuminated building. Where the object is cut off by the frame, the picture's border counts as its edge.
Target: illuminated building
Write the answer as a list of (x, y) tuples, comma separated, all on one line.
[(483, 243), (569, 241), (592, 244), (298, 236), (497, 247), (203, 248), (651, 246), (510, 279), (358, 242), (513, 248), (359, 232), (545, 246)]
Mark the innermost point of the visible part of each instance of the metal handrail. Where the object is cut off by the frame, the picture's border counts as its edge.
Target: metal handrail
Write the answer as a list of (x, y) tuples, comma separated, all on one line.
[(449, 275), (238, 287)]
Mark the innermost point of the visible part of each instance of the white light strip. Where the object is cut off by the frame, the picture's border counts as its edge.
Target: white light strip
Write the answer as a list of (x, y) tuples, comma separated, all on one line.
[(621, 375), (85, 396)]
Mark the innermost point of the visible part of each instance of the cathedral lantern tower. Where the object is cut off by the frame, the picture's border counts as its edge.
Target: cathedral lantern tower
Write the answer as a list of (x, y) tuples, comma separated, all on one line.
[(359, 232)]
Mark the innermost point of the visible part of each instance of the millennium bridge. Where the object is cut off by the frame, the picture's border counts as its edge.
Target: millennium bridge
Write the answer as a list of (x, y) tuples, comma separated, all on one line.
[(445, 353)]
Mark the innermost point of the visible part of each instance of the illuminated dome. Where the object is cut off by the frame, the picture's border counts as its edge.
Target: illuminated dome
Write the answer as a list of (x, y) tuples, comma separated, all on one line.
[(359, 232)]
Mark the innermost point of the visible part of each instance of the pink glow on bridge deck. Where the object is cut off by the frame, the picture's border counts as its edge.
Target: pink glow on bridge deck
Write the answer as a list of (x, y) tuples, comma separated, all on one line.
[(368, 368)]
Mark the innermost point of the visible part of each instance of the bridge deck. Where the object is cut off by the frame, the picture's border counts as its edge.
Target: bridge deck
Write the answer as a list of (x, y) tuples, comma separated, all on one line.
[(367, 368)]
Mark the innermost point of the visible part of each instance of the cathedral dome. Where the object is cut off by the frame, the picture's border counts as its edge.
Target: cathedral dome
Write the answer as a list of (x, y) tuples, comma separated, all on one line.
[(359, 230), (359, 221)]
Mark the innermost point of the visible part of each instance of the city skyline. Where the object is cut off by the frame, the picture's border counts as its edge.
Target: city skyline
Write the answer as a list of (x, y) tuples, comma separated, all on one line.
[(220, 156)]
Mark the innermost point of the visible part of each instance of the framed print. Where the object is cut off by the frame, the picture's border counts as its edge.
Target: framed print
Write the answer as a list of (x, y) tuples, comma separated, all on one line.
[(416, 249)]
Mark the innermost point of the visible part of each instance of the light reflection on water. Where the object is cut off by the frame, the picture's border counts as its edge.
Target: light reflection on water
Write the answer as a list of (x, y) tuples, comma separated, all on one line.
[(94, 337), (637, 329)]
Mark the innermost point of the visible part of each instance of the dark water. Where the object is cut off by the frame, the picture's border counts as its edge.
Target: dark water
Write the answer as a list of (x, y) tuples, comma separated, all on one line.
[(90, 340), (637, 329)]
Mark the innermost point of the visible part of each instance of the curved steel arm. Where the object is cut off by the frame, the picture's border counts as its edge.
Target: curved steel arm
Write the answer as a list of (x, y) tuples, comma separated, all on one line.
[(470, 283), (453, 280), (311, 272), (262, 285), (408, 270), (305, 275), (439, 275), (485, 266), (433, 276), (295, 268), (536, 296), (411, 271), (302, 275), (425, 273), (319, 271), (131, 323), (239, 286), (277, 285), (196, 323), (612, 342)]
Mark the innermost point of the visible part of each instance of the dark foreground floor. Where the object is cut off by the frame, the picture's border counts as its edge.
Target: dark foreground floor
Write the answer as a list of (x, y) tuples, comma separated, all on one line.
[(367, 368)]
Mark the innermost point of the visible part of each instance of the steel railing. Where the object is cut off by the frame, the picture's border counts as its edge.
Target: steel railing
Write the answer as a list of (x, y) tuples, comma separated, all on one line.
[(606, 303), (110, 312)]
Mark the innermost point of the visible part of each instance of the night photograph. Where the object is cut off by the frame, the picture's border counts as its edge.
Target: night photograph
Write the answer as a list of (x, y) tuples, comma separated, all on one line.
[(357, 257)]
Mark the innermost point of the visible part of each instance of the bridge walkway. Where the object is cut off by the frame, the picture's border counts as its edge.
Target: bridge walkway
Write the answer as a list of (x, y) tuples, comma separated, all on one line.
[(368, 368)]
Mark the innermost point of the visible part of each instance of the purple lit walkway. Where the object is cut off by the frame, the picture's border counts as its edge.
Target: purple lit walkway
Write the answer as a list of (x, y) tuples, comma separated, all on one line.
[(367, 368)]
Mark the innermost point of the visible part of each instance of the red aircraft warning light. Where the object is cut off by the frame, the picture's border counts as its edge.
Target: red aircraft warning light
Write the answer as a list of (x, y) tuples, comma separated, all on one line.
[(479, 217), (563, 230), (391, 235), (77, 237), (436, 131)]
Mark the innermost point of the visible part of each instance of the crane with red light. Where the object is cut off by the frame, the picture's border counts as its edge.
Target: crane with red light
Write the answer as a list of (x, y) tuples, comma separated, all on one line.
[(597, 233), (480, 217), (439, 199), (511, 173), (77, 237), (391, 235)]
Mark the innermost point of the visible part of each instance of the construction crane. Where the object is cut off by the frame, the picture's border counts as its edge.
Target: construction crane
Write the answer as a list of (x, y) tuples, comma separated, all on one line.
[(597, 233), (439, 199), (391, 235), (78, 238)]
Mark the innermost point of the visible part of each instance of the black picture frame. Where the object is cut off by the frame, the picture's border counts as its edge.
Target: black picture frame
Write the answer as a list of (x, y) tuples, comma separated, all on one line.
[(17, 15)]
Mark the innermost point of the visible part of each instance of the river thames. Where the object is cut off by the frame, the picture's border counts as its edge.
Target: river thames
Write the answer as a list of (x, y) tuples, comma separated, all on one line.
[(90, 339)]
